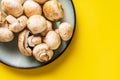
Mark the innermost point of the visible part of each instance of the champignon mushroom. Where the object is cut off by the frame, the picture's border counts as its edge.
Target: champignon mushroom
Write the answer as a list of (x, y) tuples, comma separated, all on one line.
[(23, 43), (40, 1), (34, 40), (49, 28), (5, 34), (53, 40), (32, 8), (16, 25), (37, 24), (53, 10), (11, 7), (65, 30), (42, 53)]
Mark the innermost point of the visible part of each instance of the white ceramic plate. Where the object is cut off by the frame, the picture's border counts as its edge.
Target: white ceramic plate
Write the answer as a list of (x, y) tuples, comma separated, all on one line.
[(10, 54)]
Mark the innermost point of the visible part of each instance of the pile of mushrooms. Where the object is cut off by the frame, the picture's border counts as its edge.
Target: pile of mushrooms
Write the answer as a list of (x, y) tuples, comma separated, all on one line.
[(33, 20)]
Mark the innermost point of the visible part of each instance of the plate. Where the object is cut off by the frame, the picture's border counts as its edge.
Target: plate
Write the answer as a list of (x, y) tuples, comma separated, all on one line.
[(11, 56)]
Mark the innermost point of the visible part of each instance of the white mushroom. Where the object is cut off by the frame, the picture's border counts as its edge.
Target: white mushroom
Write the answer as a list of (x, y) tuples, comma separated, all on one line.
[(53, 10), (34, 40), (37, 24), (40, 1), (65, 30), (53, 40), (23, 43), (16, 25), (11, 7), (42, 53), (49, 28), (5, 34), (32, 8)]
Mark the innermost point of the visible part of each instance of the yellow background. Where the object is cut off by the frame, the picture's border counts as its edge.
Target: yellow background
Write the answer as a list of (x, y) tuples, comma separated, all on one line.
[(94, 53)]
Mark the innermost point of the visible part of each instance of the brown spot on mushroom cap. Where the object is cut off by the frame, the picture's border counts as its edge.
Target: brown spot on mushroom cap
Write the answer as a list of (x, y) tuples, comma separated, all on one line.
[(12, 7), (40, 1), (32, 8), (42, 52), (22, 43), (53, 40), (65, 30), (37, 24), (53, 10)]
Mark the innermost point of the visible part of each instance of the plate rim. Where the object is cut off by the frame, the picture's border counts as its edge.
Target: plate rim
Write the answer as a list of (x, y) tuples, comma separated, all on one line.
[(45, 64)]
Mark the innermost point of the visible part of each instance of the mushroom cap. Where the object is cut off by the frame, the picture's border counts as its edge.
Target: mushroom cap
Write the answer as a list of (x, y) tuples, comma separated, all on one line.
[(40, 1), (49, 28), (65, 30), (37, 24), (12, 7), (6, 35), (42, 52), (23, 44), (53, 40), (16, 25), (32, 8), (52, 10)]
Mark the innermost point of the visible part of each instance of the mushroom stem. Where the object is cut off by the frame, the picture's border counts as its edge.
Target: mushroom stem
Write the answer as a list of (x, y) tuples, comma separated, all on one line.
[(34, 40), (44, 57), (42, 53)]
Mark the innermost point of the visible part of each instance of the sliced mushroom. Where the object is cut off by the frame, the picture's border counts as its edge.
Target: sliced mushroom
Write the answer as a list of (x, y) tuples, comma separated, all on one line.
[(5, 34), (34, 40), (65, 30), (49, 28), (53, 10), (32, 8), (53, 40), (23, 43), (16, 25), (37, 24), (42, 53), (11, 7), (40, 1)]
